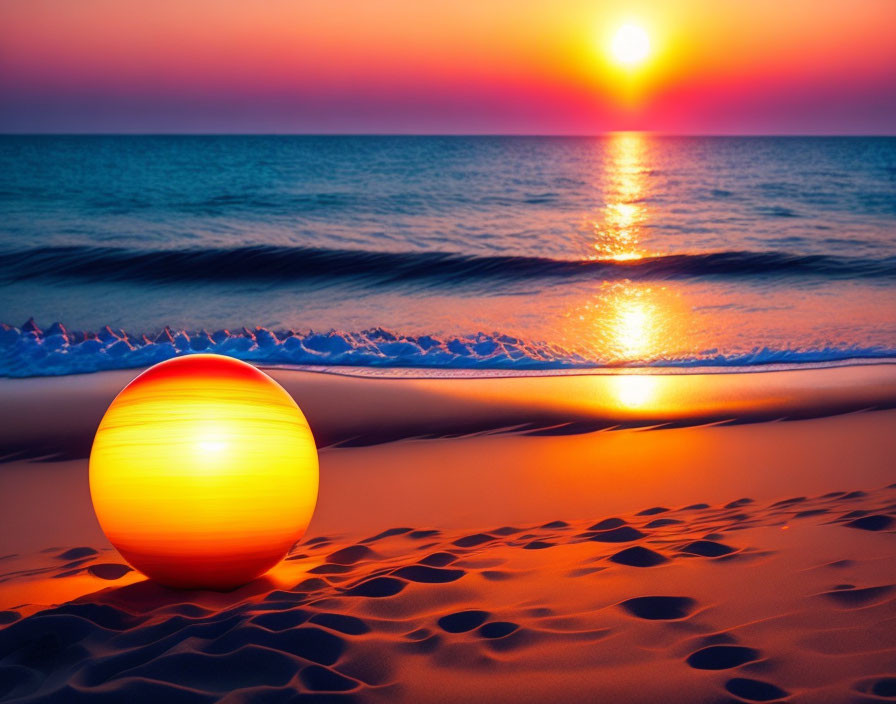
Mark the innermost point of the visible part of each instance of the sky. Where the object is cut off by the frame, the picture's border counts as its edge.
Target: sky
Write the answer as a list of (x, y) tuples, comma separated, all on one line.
[(446, 66)]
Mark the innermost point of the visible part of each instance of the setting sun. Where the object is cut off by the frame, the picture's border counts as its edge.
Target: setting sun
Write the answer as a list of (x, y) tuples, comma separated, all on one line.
[(630, 45)]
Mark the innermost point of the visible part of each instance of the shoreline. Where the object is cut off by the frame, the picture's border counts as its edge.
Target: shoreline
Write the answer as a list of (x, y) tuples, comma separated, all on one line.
[(367, 410), (410, 372)]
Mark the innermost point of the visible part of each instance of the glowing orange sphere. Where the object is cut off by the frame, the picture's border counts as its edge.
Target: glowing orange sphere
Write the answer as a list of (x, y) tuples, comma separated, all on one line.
[(203, 472)]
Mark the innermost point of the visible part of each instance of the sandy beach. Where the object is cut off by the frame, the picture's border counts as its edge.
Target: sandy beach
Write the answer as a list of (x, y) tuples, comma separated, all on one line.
[(680, 538)]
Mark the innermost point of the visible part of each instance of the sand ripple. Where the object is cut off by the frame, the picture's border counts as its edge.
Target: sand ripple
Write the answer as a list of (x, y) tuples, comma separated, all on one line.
[(791, 601)]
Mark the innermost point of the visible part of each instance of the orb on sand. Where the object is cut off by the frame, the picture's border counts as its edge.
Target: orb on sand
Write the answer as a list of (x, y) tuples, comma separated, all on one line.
[(203, 473)]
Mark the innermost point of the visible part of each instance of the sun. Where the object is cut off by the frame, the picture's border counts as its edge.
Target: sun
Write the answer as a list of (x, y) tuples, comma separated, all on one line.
[(630, 45)]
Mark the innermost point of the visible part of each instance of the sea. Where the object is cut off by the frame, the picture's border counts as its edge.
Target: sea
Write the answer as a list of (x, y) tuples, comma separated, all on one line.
[(447, 255)]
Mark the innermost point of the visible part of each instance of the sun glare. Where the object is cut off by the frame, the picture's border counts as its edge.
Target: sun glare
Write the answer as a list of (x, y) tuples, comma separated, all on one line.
[(630, 45), (634, 391)]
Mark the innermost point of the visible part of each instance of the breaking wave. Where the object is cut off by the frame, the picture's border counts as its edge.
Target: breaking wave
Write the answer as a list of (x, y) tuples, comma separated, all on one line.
[(29, 351), (434, 269)]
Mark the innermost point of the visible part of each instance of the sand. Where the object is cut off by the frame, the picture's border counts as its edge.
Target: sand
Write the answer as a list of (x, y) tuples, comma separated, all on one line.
[(679, 544)]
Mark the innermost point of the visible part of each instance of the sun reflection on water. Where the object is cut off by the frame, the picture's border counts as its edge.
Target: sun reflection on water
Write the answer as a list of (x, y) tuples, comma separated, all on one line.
[(634, 391), (625, 322), (632, 325), (617, 233)]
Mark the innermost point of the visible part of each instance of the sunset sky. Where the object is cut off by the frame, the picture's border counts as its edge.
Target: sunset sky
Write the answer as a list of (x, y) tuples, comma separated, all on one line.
[(460, 66)]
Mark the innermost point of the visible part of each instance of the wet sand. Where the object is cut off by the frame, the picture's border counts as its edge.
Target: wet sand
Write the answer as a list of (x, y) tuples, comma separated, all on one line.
[(583, 537)]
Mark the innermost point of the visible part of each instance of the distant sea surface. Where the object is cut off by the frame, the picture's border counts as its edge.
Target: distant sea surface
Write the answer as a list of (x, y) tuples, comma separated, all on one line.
[(454, 253)]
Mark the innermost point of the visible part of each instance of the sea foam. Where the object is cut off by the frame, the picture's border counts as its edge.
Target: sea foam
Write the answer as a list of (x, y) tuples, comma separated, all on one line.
[(29, 351)]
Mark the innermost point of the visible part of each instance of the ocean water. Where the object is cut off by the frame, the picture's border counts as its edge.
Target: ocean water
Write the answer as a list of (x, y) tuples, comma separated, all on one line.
[(454, 253)]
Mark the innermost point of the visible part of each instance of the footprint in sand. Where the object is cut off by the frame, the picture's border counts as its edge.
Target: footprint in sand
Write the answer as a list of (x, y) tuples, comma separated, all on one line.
[(707, 548), (873, 523), (378, 587), (438, 559), (638, 556), (850, 598), (319, 540), (652, 511), (722, 657), (554, 525), (463, 621), (755, 690), (331, 569), (312, 584), (109, 570), (659, 608), (76, 554), (810, 512), (497, 629), (885, 687), (421, 534), (789, 502), (471, 541), (608, 523), (387, 534), (538, 545), (351, 555), (428, 575), (507, 530), (624, 534)]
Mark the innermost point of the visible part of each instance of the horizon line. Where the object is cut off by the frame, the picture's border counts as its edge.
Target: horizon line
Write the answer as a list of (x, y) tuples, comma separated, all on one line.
[(546, 135)]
